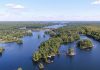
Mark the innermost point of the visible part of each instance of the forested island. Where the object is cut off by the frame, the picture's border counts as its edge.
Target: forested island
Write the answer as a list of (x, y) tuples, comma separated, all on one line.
[(64, 35), (71, 51), (51, 47), (85, 44), (14, 31), (53, 39)]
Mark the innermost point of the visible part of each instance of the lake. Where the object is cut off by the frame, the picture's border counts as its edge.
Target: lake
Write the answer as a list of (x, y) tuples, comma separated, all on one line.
[(83, 60), (21, 55)]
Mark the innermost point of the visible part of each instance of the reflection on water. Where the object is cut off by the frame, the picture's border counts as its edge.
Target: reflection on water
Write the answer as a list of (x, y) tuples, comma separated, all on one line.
[(21, 55), (83, 60), (16, 55)]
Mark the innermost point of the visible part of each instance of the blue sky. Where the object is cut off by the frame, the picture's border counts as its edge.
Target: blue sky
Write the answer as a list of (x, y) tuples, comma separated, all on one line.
[(44, 10)]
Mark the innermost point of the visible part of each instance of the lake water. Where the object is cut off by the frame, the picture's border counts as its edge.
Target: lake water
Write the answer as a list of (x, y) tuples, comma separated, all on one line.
[(55, 26), (21, 55), (83, 60)]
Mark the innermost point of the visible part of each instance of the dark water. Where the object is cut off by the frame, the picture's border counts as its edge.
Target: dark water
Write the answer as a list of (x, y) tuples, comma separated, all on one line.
[(21, 55), (83, 60)]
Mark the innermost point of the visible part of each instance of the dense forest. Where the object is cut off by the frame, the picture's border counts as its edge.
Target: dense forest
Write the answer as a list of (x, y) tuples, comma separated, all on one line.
[(64, 35), (23, 24), (69, 33), (85, 44), (51, 47), (14, 31)]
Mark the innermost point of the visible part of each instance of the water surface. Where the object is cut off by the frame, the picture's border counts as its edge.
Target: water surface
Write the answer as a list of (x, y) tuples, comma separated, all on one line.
[(83, 60), (21, 55)]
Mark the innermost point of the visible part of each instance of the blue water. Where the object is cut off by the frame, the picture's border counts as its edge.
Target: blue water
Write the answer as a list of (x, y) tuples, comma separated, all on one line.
[(21, 55), (55, 26), (83, 60)]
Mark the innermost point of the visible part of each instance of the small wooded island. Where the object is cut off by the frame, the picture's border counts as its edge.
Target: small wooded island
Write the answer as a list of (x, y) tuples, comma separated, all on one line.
[(71, 51), (63, 35), (85, 44), (50, 48)]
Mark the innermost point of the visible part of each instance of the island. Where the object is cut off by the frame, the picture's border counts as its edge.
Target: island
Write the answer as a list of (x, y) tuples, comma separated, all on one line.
[(71, 52), (14, 31), (85, 44), (50, 48)]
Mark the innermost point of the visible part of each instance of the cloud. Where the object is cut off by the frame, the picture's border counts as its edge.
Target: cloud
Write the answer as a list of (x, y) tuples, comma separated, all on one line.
[(18, 7), (15, 9), (14, 6), (96, 2)]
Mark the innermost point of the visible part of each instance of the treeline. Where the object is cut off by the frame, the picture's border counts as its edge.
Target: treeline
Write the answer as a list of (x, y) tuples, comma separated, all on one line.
[(50, 47), (92, 31), (85, 44), (13, 31), (65, 35), (20, 24), (13, 35)]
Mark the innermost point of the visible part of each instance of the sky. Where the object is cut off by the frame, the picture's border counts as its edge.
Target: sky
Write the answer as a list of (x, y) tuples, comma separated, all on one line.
[(50, 10)]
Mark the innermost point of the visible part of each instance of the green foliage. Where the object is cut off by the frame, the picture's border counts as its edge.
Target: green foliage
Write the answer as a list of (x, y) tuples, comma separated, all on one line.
[(14, 31), (23, 25), (92, 31), (36, 56), (71, 51), (85, 44), (51, 46)]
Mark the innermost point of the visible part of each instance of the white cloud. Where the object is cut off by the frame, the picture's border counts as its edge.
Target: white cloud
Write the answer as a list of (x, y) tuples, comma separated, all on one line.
[(15, 9), (18, 7), (14, 6), (96, 2)]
